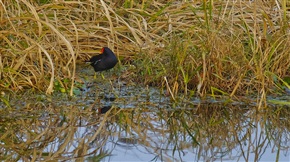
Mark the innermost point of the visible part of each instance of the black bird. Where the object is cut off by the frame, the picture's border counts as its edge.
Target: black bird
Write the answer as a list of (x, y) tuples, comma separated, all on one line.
[(104, 61)]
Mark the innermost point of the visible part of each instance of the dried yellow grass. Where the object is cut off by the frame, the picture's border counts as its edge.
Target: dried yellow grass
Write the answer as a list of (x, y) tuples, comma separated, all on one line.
[(219, 42)]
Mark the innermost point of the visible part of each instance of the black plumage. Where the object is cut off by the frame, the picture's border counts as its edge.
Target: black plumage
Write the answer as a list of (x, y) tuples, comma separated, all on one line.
[(104, 61)]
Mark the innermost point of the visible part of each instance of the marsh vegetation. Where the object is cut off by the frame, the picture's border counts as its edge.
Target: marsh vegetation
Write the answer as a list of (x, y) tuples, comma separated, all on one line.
[(224, 47), (202, 79)]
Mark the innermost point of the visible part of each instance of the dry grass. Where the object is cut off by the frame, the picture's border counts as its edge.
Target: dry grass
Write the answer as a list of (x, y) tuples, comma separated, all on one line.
[(232, 47)]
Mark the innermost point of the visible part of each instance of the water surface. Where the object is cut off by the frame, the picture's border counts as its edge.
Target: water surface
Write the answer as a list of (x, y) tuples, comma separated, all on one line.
[(113, 120)]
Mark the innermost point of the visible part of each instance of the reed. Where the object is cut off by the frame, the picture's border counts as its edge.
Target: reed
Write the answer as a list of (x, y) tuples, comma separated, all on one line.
[(231, 46)]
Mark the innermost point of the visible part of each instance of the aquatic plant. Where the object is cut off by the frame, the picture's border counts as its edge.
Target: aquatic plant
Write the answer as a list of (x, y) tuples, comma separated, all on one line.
[(201, 47)]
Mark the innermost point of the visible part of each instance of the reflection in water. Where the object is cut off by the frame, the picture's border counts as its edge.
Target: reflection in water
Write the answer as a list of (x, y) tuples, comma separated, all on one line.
[(141, 125)]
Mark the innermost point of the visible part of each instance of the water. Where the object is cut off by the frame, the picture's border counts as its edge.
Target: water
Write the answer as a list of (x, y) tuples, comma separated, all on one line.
[(139, 124)]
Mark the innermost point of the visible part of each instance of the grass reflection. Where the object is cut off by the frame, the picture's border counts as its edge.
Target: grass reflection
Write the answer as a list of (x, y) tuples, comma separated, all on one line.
[(204, 132)]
